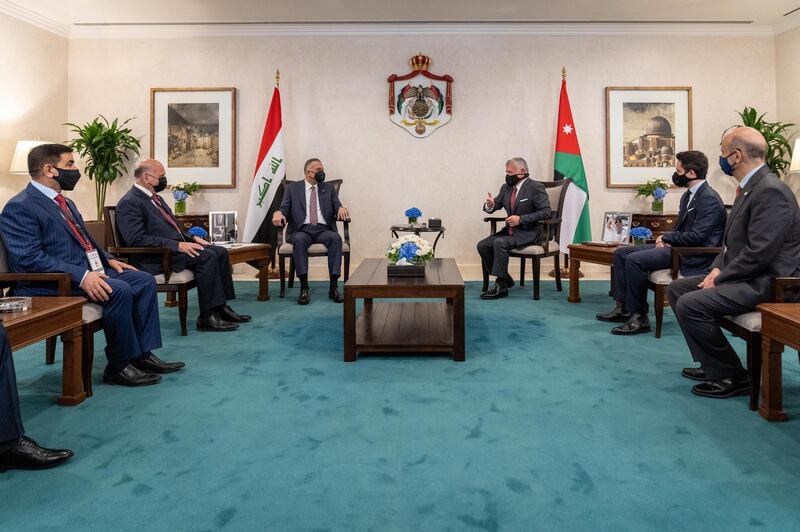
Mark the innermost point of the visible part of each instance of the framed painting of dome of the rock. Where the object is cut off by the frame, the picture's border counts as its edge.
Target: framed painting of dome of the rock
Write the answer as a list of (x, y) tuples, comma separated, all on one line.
[(645, 128)]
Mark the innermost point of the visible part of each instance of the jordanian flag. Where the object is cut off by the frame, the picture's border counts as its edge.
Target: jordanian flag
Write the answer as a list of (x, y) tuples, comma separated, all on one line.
[(575, 226), (270, 168)]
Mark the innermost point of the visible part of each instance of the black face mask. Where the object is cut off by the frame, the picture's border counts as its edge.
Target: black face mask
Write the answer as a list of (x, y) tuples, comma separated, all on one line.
[(319, 177), (67, 179), (162, 184), (682, 180), (513, 179)]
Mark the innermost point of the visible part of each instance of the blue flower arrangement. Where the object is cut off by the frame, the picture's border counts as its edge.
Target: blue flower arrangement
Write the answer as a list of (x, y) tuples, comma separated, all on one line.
[(413, 212), (641, 233), (659, 193), (198, 231), (409, 249), (179, 195)]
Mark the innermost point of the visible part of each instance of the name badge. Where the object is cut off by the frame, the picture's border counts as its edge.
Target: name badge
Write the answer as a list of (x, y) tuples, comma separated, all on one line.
[(95, 264)]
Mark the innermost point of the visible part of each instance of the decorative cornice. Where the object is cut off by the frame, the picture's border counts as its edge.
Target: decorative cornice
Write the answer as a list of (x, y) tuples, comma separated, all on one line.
[(26, 15)]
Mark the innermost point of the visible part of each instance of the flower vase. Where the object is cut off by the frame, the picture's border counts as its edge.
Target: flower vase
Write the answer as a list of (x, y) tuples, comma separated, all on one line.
[(639, 241), (412, 220), (180, 207), (657, 206)]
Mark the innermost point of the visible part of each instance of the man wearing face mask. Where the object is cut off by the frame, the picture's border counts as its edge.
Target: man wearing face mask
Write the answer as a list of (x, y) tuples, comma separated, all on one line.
[(44, 232), (145, 220), (526, 203), (762, 240), (311, 207), (701, 222)]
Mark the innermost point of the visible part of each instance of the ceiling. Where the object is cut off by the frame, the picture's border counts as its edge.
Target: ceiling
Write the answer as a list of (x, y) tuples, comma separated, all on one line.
[(156, 12)]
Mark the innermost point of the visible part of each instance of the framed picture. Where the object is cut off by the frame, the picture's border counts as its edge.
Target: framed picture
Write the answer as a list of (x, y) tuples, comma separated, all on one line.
[(645, 128), (617, 226), (193, 133), (222, 227)]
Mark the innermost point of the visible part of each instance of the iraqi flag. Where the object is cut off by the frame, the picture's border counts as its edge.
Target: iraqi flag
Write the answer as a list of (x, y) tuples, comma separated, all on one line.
[(575, 225), (270, 170)]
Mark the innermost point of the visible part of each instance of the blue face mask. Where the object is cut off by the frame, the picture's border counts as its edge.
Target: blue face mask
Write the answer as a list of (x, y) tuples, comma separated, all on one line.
[(727, 167)]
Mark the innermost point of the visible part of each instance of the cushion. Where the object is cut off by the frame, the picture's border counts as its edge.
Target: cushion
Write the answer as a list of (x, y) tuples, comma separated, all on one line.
[(92, 312), (750, 321), (287, 249), (552, 246), (662, 277), (183, 276)]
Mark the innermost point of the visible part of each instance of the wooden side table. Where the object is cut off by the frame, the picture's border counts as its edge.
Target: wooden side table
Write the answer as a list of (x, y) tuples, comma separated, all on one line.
[(584, 252), (658, 223), (780, 326)]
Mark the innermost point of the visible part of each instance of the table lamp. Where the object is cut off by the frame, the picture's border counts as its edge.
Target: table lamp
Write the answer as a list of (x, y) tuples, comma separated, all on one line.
[(19, 163)]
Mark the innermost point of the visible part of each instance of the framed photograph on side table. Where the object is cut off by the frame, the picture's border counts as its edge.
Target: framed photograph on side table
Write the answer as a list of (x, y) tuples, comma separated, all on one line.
[(617, 226), (222, 227), (645, 128), (193, 133)]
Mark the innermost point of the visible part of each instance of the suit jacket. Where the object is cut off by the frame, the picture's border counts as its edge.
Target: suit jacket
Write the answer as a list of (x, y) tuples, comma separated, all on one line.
[(141, 224), (762, 240), (39, 239), (532, 205), (293, 205), (700, 224)]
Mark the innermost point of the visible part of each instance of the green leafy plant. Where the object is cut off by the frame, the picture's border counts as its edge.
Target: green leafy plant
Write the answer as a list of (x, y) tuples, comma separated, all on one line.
[(650, 187), (106, 148), (779, 151)]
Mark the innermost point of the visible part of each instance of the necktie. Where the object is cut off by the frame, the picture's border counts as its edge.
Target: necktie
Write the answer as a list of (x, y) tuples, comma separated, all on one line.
[(511, 204), (738, 192), (165, 214), (83, 238), (313, 218)]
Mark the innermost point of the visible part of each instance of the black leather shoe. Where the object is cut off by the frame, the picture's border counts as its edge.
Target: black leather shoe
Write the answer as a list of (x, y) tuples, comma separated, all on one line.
[(130, 376), (27, 454), (495, 292), (153, 364), (696, 374), (335, 296), (618, 315), (509, 282), (305, 296), (228, 314), (723, 389), (636, 324), (215, 324)]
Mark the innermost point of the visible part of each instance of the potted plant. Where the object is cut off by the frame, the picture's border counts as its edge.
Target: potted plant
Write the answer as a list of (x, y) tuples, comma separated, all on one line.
[(180, 193), (640, 235), (655, 188), (413, 214), (779, 151), (106, 149)]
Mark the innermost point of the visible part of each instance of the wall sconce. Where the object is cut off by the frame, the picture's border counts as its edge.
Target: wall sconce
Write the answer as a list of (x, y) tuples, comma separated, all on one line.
[(19, 163)]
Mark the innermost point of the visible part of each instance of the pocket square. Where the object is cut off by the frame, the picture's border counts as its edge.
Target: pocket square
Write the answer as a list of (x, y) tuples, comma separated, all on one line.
[(526, 199), (690, 210)]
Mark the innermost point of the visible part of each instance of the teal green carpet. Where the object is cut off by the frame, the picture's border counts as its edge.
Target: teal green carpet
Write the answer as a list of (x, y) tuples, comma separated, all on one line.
[(551, 424)]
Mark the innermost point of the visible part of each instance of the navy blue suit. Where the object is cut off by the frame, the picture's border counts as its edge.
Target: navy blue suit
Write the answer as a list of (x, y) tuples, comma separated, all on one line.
[(701, 223), (10, 419), (141, 224), (39, 239), (302, 235)]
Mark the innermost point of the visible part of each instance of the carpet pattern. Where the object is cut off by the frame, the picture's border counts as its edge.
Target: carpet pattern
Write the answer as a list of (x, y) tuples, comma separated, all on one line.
[(550, 424)]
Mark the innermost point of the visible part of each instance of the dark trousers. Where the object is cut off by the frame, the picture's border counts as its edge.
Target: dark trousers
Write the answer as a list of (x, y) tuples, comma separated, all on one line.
[(494, 251), (316, 234), (10, 419), (697, 311), (212, 270), (632, 265)]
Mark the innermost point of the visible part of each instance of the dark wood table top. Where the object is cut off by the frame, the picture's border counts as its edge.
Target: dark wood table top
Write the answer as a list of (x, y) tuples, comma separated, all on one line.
[(49, 309), (438, 273), (787, 311)]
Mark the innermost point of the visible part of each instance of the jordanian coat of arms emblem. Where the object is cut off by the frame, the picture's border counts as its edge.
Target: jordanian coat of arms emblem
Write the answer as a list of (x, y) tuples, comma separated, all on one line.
[(420, 101)]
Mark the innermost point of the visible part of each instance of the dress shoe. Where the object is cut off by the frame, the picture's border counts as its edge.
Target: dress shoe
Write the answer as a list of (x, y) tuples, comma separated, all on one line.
[(509, 282), (215, 324), (636, 324), (153, 364), (27, 454), (496, 292), (696, 374), (305, 296), (228, 314), (618, 315), (724, 388), (130, 376), (335, 296)]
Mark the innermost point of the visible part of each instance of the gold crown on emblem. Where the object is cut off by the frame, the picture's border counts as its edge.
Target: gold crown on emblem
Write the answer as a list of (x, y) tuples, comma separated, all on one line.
[(420, 62)]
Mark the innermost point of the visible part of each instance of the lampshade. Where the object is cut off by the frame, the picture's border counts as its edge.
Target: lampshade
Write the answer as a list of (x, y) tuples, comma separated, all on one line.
[(19, 163), (794, 168)]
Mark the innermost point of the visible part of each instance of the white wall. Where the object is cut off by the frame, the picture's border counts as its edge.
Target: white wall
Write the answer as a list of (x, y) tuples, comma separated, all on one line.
[(787, 59), (33, 92)]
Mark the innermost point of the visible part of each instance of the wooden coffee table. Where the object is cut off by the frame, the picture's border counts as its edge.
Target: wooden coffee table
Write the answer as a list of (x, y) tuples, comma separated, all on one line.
[(780, 326), (405, 327), (50, 316), (584, 252)]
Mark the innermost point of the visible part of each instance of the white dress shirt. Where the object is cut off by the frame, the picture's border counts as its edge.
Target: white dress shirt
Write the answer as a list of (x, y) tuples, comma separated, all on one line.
[(320, 218)]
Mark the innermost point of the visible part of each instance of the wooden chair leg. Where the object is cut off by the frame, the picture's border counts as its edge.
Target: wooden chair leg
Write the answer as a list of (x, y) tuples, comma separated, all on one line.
[(282, 274), (346, 266), (183, 307), (659, 304), (485, 278), (291, 272), (537, 266), (522, 271), (754, 368), (87, 356), (50, 350), (557, 264)]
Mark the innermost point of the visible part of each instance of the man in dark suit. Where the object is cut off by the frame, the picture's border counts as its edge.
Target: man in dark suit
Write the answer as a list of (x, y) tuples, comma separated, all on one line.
[(312, 208), (762, 240), (145, 220), (44, 232), (701, 222), (18, 451), (526, 203)]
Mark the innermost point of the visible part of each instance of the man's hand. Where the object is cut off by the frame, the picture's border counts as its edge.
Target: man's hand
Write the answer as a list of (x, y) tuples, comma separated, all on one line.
[(709, 282), (201, 241), (190, 248), (119, 265), (343, 214), (278, 219), (512, 221), (489, 200), (660, 243), (95, 287)]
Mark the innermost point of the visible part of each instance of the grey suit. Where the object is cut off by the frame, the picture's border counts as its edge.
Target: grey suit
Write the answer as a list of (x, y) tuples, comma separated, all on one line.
[(532, 205), (762, 240)]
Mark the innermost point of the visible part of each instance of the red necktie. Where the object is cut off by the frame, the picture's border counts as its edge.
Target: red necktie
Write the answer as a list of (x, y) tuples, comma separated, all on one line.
[(738, 192), (164, 213), (511, 205), (313, 218), (73, 224)]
